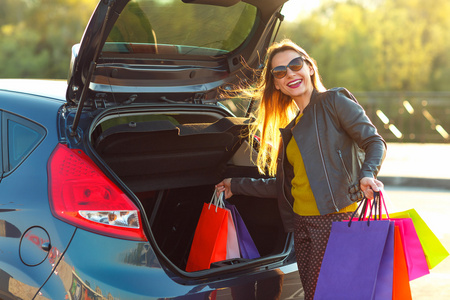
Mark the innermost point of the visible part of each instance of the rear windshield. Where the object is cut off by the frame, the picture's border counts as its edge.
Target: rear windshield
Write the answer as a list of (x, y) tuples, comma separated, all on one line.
[(174, 27)]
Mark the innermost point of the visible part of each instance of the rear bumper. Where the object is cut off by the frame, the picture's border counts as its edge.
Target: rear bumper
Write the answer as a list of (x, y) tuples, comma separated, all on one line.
[(98, 266)]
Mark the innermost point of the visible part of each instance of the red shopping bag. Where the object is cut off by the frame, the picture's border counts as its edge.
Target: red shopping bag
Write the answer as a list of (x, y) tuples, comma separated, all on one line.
[(401, 289), (210, 239)]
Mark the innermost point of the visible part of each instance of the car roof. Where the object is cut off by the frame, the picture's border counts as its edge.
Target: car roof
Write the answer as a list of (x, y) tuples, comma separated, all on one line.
[(55, 89)]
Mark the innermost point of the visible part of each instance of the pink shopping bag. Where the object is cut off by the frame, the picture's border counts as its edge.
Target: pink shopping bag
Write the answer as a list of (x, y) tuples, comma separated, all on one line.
[(414, 254)]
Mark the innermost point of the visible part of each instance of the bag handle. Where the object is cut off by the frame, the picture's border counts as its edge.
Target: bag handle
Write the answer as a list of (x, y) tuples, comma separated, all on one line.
[(380, 203), (217, 200), (382, 200), (363, 205), (374, 207)]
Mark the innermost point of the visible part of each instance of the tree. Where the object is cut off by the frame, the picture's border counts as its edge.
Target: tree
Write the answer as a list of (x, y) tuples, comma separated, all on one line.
[(364, 45), (378, 45), (38, 46)]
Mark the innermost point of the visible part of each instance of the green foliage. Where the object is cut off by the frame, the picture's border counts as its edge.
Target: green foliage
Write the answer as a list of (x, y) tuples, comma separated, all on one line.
[(36, 36), (368, 45)]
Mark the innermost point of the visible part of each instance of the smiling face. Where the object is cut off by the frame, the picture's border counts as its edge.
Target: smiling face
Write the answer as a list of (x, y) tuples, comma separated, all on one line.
[(296, 84)]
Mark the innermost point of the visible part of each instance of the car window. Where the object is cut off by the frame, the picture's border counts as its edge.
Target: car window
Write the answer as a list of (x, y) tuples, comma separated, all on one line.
[(22, 137), (175, 27), (238, 106), (1, 146)]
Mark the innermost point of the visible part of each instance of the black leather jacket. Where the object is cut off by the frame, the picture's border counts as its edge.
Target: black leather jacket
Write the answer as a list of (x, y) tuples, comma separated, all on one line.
[(330, 135)]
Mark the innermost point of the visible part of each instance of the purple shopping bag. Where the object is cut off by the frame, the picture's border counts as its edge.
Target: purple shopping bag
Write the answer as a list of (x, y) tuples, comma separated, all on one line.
[(352, 260), (385, 276), (358, 259), (246, 245)]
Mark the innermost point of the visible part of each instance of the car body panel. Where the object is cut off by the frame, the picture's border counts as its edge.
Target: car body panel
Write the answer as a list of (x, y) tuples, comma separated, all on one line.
[(23, 203), (91, 273), (54, 89)]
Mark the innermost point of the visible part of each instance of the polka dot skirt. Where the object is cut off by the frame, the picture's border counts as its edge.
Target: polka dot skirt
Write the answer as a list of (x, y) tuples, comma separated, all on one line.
[(311, 235)]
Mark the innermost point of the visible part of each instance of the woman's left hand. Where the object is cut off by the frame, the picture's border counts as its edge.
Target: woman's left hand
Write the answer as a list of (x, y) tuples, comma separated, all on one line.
[(368, 185)]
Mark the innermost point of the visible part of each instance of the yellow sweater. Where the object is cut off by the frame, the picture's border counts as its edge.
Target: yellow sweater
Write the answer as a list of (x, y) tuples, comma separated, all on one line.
[(304, 201)]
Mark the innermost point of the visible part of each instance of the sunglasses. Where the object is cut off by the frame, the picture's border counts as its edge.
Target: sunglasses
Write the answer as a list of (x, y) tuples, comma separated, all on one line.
[(295, 65)]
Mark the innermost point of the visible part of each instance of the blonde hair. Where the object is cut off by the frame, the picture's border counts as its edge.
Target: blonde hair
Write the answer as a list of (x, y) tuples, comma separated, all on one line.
[(275, 109)]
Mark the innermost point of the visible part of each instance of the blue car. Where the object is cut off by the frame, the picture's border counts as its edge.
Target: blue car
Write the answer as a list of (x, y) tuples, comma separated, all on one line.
[(103, 177)]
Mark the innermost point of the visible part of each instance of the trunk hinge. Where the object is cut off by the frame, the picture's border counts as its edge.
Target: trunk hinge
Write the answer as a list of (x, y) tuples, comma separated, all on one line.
[(100, 103), (92, 66), (199, 98)]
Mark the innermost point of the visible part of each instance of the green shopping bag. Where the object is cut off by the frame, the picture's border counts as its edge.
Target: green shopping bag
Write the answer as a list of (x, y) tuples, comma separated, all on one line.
[(432, 247)]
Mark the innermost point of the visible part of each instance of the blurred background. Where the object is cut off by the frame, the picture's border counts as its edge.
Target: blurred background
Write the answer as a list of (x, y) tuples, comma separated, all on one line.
[(394, 55)]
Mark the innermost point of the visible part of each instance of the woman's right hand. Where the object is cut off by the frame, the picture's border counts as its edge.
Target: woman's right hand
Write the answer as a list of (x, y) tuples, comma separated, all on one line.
[(224, 186)]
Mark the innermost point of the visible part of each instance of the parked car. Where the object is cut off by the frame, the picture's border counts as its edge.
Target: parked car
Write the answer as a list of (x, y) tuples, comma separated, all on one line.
[(102, 178)]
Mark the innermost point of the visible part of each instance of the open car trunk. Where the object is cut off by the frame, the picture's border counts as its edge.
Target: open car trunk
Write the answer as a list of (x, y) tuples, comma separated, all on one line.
[(171, 160)]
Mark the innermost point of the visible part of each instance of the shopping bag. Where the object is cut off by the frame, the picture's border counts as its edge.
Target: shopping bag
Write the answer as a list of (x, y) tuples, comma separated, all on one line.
[(210, 238), (432, 247), (415, 257), (246, 245), (385, 276), (384, 282), (401, 289), (352, 260), (414, 253), (232, 240)]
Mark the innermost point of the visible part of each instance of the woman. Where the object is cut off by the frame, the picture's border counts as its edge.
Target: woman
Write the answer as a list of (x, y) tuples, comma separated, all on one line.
[(318, 172)]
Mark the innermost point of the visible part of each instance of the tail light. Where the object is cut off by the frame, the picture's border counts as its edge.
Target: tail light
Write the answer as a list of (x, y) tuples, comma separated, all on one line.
[(80, 194)]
